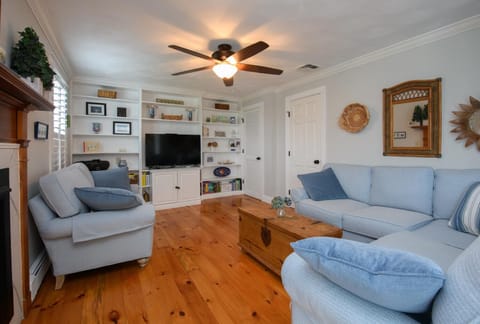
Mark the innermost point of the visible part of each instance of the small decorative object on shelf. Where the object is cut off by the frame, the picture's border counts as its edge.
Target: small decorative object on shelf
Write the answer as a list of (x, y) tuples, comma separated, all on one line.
[(91, 147), (222, 106), (233, 120), (170, 101), (107, 93), (189, 114), (279, 203), (220, 134), (205, 131), (151, 111), (221, 172), (121, 112), (122, 163), (97, 127)]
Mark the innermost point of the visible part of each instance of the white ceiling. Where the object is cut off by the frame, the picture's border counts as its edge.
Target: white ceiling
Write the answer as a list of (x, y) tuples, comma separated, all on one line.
[(127, 40)]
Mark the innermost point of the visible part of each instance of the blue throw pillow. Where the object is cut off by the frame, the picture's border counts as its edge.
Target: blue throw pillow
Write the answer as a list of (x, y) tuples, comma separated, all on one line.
[(112, 178), (322, 185), (466, 217), (101, 198), (395, 279)]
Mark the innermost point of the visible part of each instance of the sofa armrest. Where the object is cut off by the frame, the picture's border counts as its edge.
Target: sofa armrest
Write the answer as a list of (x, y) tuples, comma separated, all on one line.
[(298, 194), (325, 302), (49, 225)]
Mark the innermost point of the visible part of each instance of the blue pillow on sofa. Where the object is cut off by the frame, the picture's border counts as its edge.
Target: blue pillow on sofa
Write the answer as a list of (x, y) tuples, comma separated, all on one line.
[(112, 178), (391, 278), (466, 217), (101, 198), (322, 185)]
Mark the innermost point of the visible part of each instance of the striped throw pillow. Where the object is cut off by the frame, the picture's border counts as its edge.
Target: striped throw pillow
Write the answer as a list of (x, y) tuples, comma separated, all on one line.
[(466, 217)]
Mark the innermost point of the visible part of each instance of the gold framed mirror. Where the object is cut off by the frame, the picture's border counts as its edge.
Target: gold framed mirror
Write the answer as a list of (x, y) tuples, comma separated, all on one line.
[(412, 119), (467, 123)]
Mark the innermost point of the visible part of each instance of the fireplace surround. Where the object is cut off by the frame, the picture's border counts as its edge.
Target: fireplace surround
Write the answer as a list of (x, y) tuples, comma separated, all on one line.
[(17, 99)]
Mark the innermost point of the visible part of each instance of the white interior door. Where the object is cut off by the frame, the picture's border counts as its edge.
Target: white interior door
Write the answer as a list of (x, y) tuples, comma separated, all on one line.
[(254, 151), (305, 135)]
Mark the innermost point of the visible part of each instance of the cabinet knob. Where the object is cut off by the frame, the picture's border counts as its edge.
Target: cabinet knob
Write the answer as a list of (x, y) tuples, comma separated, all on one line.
[(316, 162), (258, 158), (177, 187)]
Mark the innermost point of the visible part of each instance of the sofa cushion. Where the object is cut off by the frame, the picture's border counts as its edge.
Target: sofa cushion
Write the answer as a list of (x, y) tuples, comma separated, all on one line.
[(377, 221), (438, 230), (57, 189), (101, 198), (458, 301), (322, 301), (403, 187), (449, 188), (112, 178), (442, 254), (328, 211), (322, 185), (391, 278), (466, 217), (354, 179)]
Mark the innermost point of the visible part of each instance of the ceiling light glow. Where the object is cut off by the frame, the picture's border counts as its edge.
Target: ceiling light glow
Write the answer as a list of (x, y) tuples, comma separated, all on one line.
[(225, 70)]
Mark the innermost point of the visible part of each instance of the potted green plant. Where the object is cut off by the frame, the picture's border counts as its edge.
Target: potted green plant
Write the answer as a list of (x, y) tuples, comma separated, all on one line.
[(279, 203), (30, 60), (418, 115)]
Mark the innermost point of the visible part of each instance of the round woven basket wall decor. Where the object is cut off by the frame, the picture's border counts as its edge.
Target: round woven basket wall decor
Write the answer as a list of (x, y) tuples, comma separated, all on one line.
[(354, 118)]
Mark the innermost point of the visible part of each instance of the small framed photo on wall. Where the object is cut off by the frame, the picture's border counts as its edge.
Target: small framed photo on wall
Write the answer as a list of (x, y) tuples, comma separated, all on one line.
[(96, 108), (40, 131)]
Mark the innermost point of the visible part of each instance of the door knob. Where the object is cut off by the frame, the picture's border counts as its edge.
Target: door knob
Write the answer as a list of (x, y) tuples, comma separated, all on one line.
[(316, 162), (258, 158)]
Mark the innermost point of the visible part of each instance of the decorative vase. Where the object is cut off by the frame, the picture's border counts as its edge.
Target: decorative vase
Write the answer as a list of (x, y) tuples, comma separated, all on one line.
[(281, 212)]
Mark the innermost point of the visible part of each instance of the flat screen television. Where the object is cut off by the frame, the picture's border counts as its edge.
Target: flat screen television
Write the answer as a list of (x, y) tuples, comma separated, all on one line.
[(171, 150)]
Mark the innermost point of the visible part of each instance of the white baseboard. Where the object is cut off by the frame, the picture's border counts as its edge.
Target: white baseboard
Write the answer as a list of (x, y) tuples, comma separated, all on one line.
[(38, 270)]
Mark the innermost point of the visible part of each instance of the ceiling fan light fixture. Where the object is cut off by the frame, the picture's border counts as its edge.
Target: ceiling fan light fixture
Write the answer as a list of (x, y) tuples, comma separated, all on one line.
[(225, 70)]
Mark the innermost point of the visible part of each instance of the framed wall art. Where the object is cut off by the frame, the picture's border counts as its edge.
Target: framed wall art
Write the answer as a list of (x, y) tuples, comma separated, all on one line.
[(122, 128), (96, 108)]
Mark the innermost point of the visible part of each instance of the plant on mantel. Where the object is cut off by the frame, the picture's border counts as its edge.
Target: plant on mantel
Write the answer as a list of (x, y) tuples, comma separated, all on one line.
[(30, 60)]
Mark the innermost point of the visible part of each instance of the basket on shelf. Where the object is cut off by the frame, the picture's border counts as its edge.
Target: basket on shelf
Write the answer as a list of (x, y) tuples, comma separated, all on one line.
[(222, 106), (107, 93), (170, 101), (171, 117)]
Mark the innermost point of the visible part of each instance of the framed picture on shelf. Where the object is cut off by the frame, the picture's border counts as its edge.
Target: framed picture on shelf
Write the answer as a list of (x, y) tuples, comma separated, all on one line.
[(233, 120), (41, 130), (209, 159), (96, 108), (121, 112), (122, 128)]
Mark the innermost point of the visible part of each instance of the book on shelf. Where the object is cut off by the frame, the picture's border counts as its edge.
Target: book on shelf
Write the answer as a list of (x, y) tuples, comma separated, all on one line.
[(91, 147), (146, 179)]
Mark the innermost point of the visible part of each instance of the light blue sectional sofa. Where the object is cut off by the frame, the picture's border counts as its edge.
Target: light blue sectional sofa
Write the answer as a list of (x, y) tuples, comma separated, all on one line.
[(404, 208)]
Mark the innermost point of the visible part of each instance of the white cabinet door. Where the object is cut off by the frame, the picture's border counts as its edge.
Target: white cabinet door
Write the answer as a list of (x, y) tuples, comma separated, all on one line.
[(164, 187), (189, 185)]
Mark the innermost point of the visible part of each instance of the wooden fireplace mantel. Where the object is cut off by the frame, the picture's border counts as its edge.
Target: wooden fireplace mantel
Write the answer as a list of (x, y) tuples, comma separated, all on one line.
[(16, 100)]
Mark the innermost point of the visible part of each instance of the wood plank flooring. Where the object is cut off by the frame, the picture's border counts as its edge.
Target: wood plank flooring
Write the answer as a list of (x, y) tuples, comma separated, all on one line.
[(197, 274)]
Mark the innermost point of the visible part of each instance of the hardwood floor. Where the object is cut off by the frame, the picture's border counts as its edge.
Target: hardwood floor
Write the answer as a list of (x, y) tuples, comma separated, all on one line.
[(197, 274)]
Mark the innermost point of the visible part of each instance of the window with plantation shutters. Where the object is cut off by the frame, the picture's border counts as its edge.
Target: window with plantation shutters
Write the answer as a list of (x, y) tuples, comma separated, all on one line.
[(59, 134)]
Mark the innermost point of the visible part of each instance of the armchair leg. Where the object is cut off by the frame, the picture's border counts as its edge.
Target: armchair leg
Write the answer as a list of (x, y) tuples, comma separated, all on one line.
[(59, 280), (143, 262)]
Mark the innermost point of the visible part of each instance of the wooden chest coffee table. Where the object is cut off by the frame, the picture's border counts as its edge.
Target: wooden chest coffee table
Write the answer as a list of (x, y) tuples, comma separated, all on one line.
[(267, 237)]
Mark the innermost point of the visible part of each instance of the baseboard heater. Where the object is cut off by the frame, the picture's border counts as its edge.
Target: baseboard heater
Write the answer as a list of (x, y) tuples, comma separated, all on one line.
[(38, 270)]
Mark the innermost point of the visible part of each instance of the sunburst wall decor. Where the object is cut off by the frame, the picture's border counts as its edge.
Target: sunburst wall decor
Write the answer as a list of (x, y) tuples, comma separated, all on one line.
[(467, 123)]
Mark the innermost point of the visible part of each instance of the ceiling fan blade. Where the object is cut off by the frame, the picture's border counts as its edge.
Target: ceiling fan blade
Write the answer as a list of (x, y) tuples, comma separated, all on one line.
[(188, 51), (228, 82), (248, 51), (194, 70), (258, 69)]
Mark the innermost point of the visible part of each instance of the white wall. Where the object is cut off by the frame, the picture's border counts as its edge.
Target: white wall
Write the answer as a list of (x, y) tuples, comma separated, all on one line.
[(454, 59)]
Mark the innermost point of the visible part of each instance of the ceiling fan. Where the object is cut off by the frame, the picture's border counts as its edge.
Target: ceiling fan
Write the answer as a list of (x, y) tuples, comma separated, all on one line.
[(225, 62)]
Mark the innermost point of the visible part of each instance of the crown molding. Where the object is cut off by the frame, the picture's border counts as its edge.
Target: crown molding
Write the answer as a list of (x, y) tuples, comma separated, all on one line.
[(408, 44), (59, 57)]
